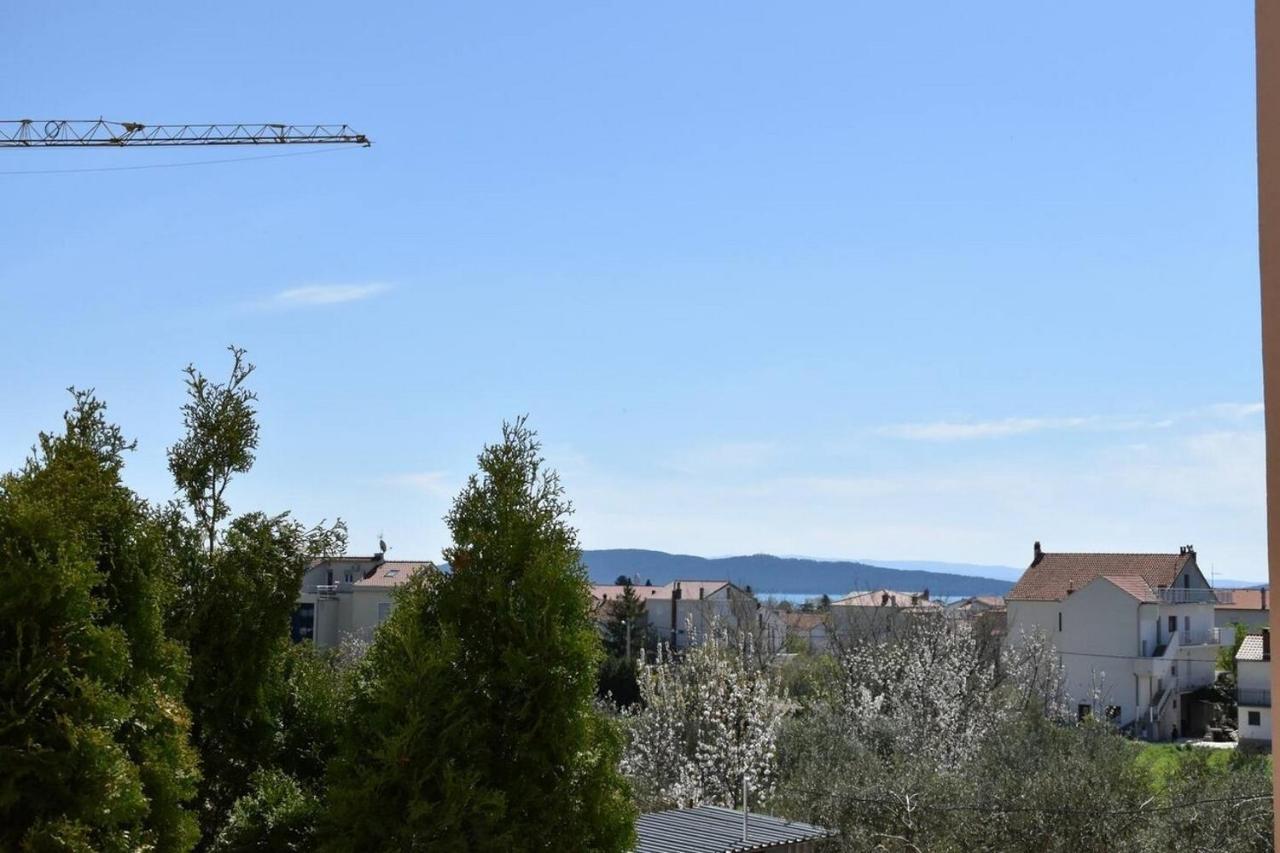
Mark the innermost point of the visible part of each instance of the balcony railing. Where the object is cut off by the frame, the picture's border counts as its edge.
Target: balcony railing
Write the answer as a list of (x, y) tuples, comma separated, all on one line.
[(1257, 698), (327, 590), (1183, 595), (1208, 637)]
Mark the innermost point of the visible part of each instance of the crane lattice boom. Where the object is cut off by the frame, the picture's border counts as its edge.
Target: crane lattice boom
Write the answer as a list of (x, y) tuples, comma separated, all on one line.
[(61, 133)]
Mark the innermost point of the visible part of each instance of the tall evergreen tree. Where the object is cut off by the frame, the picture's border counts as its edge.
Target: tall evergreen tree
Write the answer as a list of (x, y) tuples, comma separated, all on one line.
[(93, 731), (237, 584), (473, 726)]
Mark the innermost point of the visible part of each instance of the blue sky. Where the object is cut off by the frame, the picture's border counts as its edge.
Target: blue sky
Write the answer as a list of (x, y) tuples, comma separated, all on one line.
[(845, 279)]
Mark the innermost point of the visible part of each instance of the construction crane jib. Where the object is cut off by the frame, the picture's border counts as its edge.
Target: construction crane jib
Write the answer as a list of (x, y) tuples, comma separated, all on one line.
[(92, 133)]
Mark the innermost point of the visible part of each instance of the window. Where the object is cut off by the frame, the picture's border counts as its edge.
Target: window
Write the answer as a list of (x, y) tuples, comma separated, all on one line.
[(347, 577), (384, 611), (1173, 624), (1255, 718), (390, 573), (1173, 669), (1186, 623), (1084, 712)]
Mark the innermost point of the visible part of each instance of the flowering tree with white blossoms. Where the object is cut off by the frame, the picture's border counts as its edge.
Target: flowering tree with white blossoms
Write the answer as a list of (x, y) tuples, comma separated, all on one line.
[(932, 693), (704, 722)]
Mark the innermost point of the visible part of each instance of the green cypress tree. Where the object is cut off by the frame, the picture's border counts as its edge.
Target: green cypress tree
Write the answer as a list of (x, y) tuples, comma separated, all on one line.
[(237, 579), (472, 726), (93, 730)]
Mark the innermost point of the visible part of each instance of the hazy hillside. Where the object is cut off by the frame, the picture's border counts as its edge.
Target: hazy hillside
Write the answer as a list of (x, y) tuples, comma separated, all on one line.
[(766, 573)]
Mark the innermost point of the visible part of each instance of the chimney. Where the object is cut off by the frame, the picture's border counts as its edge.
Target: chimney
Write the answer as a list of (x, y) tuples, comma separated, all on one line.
[(925, 594), (1264, 598), (1037, 554), (1266, 644)]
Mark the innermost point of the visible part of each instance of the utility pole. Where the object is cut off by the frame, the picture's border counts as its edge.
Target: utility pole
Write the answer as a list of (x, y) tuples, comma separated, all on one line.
[(744, 805), (627, 622)]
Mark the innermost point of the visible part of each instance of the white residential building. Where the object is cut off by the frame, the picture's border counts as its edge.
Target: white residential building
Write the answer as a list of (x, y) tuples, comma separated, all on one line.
[(683, 610), (1253, 688), (1135, 633), (348, 595), (876, 612)]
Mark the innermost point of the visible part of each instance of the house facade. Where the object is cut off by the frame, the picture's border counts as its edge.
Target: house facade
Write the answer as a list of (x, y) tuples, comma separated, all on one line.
[(807, 631), (1253, 688), (348, 596), (878, 612), (681, 612), (1135, 633)]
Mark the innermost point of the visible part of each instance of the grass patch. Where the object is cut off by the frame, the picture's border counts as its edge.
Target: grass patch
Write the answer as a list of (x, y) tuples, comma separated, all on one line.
[(1160, 762)]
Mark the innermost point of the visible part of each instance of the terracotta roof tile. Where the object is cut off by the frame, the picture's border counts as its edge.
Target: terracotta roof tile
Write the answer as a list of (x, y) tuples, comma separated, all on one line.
[(801, 620), (392, 573), (1049, 578), (1246, 599), (1251, 648), (1134, 585)]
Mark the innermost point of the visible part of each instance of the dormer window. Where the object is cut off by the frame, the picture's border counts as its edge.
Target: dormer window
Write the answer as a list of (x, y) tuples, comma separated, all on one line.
[(391, 573)]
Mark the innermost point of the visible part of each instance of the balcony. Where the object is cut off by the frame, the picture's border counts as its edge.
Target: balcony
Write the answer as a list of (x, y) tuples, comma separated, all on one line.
[(1205, 637), (1253, 697), (1183, 595)]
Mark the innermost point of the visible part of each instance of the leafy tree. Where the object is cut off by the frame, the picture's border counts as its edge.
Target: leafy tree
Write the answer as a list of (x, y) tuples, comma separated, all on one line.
[(627, 618), (236, 591), (222, 434), (473, 725), (278, 814), (1227, 654), (93, 732)]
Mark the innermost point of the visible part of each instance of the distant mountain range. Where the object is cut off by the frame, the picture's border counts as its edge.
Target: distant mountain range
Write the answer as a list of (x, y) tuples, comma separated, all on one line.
[(766, 574)]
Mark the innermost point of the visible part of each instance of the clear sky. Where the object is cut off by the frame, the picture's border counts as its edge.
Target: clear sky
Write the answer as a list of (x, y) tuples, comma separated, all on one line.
[(844, 279)]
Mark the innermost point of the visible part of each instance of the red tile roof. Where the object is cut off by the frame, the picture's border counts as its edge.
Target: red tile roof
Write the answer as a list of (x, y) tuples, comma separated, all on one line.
[(1134, 585), (802, 620), (1246, 599), (392, 573), (1049, 577)]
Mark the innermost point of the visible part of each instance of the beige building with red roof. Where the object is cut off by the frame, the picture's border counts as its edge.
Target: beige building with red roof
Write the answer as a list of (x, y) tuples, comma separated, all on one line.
[(349, 596), (1135, 633)]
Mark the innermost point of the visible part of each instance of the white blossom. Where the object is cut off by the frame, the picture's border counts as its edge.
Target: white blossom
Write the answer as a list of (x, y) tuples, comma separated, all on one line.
[(705, 720)]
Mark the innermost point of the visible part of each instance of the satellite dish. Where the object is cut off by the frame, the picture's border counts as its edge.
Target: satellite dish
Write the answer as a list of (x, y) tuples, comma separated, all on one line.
[(382, 545)]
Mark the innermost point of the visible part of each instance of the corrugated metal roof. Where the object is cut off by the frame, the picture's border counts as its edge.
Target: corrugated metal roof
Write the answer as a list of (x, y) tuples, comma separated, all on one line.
[(712, 829)]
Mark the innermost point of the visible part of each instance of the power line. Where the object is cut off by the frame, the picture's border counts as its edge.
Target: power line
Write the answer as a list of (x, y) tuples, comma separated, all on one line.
[(171, 165)]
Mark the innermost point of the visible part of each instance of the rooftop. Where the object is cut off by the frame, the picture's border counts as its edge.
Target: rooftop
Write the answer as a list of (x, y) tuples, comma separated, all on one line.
[(1251, 648), (1246, 599), (1051, 576), (887, 598), (713, 829), (393, 573), (689, 589)]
